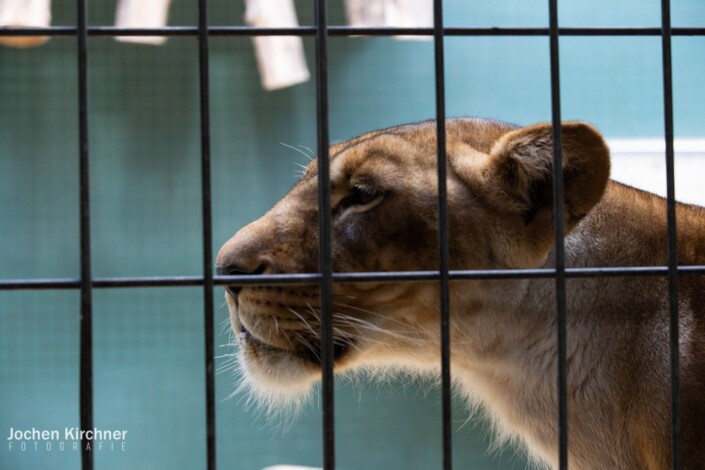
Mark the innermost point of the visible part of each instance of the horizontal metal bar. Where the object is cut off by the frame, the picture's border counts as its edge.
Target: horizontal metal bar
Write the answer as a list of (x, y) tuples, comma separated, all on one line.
[(596, 31), (39, 284), (343, 278), (341, 31)]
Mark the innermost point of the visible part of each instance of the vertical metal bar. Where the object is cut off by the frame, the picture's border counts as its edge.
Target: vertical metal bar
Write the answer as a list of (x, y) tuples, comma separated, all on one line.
[(558, 200), (207, 231), (443, 250), (672, 236), (86, 353), (324, 216)]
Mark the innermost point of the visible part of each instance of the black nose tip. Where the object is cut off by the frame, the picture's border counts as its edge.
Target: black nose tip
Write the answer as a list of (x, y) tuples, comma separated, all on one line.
[(233, 270), (229, 271)]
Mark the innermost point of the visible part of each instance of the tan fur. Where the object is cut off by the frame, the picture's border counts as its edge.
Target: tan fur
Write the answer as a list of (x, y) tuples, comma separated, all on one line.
[(503, 349)]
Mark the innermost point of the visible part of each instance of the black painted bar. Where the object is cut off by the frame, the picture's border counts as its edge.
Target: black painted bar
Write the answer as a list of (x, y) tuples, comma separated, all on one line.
[(207, 232), (343, 31), (443, 251), (559, 250), (324, 234), (676, 458), (304, 279), (86, 322)]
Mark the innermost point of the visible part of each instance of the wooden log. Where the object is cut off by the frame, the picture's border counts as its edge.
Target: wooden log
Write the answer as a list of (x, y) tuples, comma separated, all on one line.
[(391, 13), (411, 14), (142, 14), (25, 13), (280, 59), (366, 13)]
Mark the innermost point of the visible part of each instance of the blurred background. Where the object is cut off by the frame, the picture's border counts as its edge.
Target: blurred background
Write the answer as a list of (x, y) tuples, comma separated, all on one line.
[(146, 218)]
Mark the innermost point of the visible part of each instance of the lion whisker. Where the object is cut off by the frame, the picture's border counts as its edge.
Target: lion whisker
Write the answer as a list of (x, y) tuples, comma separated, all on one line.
[(296, 150), (341, 317), (370, 312), (313, 154), (224, 326), (228, 364), (309, 346), (361, 336), (305, 322), (348, 343), (276, 324)]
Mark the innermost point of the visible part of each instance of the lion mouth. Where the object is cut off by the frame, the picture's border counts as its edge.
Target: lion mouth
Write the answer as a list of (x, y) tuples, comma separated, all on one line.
[(310, 352)]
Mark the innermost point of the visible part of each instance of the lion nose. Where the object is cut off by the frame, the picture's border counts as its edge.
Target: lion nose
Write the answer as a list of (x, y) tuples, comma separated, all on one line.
[(230, 270), (241, 255)]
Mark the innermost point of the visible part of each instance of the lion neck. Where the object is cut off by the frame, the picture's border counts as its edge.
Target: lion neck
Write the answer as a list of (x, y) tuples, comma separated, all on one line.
[(505, 356)]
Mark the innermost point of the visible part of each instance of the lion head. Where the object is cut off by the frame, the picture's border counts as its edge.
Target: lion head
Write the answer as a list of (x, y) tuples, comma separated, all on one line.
[(384, 218)]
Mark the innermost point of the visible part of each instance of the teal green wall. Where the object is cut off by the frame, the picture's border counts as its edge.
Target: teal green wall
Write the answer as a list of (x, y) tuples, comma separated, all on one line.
[(145, 189)]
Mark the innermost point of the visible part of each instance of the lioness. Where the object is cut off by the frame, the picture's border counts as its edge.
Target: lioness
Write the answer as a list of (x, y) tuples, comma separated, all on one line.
[(503, 349)]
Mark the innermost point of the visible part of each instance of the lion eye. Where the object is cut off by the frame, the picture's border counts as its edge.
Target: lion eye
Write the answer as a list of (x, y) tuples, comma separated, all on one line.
[(359, 196)]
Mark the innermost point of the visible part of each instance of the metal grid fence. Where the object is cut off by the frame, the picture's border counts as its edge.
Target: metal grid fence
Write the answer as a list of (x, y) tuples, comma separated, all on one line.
[(325, 278)]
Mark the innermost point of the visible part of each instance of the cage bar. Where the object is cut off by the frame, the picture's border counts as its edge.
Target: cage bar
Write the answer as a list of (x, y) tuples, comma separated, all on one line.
[(559, 250), (676, 458), (207, 232), (304, 279), (110, 31), (324, 236), (443, 251), (86, 285)]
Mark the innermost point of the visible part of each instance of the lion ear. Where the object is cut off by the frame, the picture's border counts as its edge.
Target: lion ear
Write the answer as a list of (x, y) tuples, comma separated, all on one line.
[(520, 165)]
